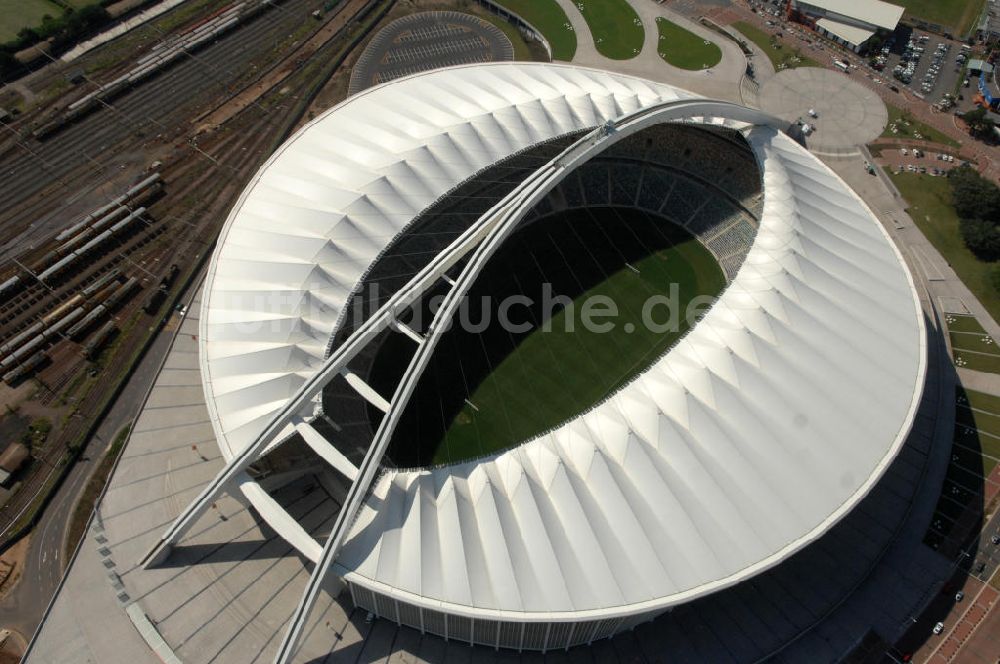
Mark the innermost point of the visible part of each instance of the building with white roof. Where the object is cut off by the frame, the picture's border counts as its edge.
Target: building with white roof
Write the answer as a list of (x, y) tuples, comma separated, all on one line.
[(848, 22)]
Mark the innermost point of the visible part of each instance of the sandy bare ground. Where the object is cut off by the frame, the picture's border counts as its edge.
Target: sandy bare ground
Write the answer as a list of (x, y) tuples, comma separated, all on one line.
[(253, 92)]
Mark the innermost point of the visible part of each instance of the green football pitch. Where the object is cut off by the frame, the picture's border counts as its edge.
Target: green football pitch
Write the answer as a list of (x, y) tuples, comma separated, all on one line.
[(559, 370)]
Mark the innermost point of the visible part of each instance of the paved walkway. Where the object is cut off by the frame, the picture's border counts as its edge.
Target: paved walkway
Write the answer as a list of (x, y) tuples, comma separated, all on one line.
[(719, 82), (227, 591), (849, 114), (980, 380), (985, 156)]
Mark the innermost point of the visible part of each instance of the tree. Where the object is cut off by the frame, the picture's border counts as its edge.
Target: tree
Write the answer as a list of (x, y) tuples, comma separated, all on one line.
[(26, 37), (973, 196), (9, 66), (982, 237), (979, 124)]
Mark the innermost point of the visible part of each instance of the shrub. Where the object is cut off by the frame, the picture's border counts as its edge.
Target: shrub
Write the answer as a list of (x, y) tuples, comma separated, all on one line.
[(974, 196), (982, 237)]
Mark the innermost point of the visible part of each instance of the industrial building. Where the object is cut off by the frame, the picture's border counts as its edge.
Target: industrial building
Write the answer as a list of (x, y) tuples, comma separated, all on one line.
[(850, 23)]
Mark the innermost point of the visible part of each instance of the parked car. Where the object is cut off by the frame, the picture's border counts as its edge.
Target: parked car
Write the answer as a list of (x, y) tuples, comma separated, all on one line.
[(938, 628)]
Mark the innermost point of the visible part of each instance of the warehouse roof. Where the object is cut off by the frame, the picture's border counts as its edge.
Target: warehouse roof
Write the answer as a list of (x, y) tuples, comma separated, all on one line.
[(874, 12)]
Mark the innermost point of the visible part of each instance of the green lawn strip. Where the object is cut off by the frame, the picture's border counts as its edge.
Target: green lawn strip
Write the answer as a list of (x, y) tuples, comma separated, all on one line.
[(616, 28), (18, 14), (908, 127), (960, 323), (781, 56), (549, 19), (931, 209), (95, 485), (977, 341), (684, 49), (554, 375), (983, 402), (967, 465), (977, 362), (522, 51), (977, 427), (958, 15), (979, 419), (971, 342), (986, 447)]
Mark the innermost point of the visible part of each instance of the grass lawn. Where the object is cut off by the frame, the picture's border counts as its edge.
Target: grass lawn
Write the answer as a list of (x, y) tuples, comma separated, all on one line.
[(549, 19), (907, 127), (615, 26), (17, 14), (964, 323), (555, 373), (781, 57), (960, 15), (973, 348), (522, 50), (977, 427), (682, 48), (974, 454), (930, 206)]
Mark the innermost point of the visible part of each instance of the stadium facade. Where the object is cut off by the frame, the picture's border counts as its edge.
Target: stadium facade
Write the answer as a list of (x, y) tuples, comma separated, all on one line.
[(749, 439)]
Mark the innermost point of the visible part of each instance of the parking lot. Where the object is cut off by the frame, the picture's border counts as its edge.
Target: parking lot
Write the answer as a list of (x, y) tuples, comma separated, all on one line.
[(911, 160), (929, 65), (428, 40)]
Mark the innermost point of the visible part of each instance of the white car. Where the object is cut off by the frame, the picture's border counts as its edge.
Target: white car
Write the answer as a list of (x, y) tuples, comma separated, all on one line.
[(813, 113), (938, 628)]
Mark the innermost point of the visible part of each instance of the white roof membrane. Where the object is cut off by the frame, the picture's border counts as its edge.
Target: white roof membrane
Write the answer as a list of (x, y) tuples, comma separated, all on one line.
[(760, 429)]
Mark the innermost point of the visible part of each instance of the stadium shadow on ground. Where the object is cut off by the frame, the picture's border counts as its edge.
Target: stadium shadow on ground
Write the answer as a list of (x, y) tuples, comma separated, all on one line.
[(490, 386)]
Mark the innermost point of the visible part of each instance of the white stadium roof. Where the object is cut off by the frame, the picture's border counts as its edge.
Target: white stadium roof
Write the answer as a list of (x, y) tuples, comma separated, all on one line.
[(757, 432)]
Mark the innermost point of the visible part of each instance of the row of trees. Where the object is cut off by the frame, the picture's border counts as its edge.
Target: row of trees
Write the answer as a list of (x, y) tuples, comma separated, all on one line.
[(73, 26), (977, 202)]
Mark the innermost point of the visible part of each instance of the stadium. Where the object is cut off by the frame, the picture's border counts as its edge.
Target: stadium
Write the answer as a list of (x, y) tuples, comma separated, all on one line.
[(541, 488)]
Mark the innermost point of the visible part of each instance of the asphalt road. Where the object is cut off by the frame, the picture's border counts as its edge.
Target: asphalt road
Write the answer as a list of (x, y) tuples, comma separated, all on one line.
[(985, 551), (22, 609)]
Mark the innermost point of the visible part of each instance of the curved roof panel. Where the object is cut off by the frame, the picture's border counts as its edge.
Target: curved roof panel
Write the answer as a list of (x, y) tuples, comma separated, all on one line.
[(749, 439), (319, 211)]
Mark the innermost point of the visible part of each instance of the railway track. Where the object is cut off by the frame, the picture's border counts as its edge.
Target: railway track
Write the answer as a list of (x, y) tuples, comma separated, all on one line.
[(148, 112), (201, 182)]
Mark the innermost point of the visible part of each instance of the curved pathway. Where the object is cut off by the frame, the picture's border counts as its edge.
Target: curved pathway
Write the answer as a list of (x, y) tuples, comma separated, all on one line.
[(719, 82)]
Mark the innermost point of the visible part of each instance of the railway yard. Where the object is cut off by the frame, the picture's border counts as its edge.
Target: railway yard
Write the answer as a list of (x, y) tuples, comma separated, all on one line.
[(108, 216), (118, 169)]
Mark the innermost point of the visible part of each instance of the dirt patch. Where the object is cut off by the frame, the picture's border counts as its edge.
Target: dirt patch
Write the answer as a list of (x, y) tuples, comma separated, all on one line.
[(12, 397), (13, 648), (11, 564), (13, 427), (291, 63)]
